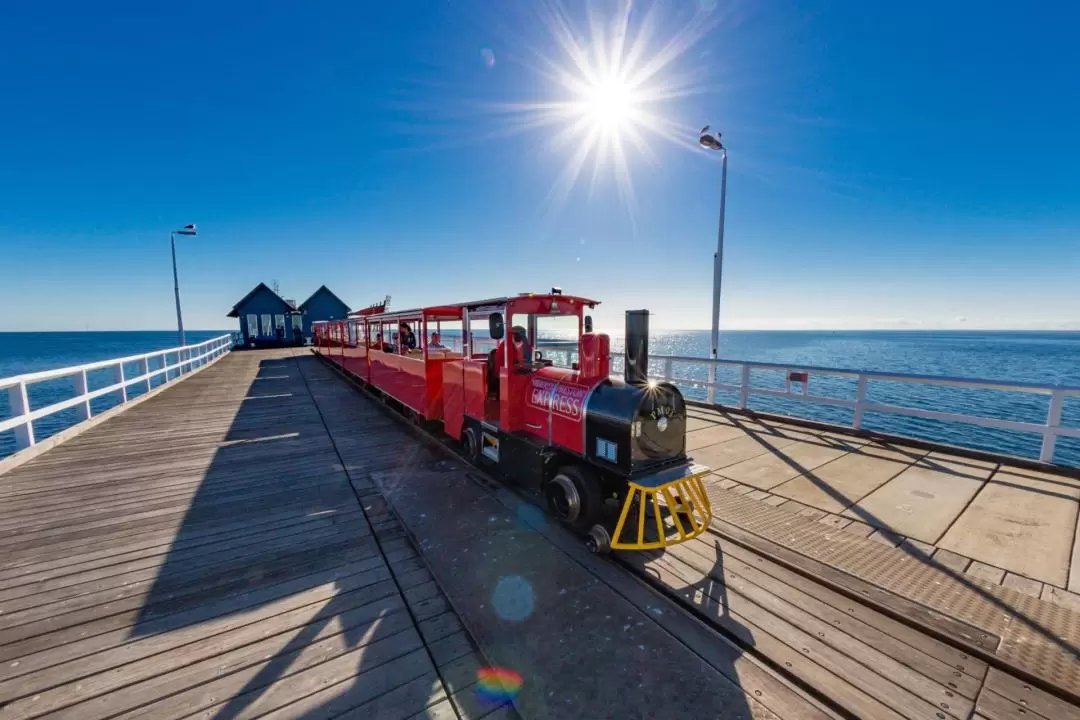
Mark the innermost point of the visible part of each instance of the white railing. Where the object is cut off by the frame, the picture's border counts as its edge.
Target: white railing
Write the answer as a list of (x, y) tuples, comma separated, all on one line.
[(1049, 431), (183, 360)]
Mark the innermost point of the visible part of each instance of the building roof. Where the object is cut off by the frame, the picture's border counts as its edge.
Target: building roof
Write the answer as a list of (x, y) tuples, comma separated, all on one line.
[(323, 288), (261, 286)]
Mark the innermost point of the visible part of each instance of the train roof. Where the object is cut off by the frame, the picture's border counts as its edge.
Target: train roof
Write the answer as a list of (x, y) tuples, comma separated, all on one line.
[(453, 310)]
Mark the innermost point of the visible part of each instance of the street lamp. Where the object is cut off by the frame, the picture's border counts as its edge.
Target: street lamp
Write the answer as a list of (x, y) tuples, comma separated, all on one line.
[(186, 230), (710, 141)]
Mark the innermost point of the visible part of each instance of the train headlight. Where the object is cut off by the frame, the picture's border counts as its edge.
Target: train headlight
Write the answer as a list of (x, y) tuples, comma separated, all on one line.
[(661, 423)]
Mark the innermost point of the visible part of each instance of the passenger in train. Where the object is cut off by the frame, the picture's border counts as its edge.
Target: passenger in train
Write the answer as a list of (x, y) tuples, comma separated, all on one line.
[(380, 345), (406, 339), (435, 346)]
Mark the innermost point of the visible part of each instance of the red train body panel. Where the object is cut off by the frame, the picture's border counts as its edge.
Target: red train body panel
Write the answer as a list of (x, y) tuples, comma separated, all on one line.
[(571, 432)]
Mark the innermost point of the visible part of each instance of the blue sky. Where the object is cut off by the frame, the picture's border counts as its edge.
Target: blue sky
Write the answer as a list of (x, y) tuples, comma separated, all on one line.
[(891, 165)]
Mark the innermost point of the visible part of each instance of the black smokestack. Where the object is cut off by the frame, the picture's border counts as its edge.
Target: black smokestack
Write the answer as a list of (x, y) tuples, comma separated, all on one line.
[(637, 347)]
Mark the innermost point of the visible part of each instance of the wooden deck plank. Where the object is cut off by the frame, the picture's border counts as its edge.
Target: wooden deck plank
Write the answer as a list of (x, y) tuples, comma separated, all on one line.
[(160, 544), (922, 654), (996, 707), (844, 673), (137, 604), (41, 592), (205, 550), (85, 656), (59, 687), (1032, 698), (384, 660), (60, 549), (807, 670)]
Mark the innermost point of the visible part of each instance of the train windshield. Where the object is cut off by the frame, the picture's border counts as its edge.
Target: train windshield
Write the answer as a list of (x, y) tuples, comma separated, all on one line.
[(557, 339)]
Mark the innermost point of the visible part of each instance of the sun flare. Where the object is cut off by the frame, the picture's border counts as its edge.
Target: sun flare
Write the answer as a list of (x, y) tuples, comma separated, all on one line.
[(609, 104), (610, 87)]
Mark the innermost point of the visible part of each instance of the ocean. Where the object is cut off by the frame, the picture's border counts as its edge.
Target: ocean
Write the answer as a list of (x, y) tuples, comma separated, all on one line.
[(27, 352), (1041, 357)]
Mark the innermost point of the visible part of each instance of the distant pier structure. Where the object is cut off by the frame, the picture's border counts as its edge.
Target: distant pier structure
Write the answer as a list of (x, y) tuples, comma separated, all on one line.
[(269, 320)]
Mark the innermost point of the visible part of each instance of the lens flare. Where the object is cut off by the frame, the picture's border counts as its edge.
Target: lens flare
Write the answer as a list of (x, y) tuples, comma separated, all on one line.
[(495, 686)]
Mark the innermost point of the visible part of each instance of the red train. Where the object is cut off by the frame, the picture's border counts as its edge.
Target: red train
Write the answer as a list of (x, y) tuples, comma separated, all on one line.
[(607, 453)]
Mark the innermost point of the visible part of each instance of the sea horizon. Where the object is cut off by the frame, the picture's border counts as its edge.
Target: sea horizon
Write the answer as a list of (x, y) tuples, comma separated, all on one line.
[(1075, 331), (1045, 357)]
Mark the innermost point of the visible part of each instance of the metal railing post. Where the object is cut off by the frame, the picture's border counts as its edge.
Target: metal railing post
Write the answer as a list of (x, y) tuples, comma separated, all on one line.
[(710, 393), (668, 363), (118, 376), (81, 388), (1053, 422), (144, 370), (19, 404), (744, 387), (860, 403)]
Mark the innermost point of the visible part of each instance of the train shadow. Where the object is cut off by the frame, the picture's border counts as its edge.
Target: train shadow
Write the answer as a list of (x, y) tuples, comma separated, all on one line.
[(701, 588), (274, 575)]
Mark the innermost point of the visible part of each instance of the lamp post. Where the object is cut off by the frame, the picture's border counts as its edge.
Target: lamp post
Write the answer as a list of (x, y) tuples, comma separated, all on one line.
[(186, 230), (711, 141)]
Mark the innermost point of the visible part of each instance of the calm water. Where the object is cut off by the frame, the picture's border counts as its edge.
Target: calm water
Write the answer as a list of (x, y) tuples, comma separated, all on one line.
[(32, 352), (1024, 357), (1052, 358)]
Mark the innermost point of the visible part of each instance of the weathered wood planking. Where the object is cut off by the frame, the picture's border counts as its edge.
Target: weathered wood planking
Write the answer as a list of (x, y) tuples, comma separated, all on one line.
[(204, 552)]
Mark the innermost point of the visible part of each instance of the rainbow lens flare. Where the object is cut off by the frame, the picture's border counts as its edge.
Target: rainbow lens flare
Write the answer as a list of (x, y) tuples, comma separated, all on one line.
[(497, 685)]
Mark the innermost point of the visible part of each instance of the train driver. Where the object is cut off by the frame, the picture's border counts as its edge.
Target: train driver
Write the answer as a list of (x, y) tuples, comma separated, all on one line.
[(521, 351)]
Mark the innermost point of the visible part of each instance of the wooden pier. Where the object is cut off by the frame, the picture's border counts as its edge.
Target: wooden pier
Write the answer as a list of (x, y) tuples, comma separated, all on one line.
[(262, 540)]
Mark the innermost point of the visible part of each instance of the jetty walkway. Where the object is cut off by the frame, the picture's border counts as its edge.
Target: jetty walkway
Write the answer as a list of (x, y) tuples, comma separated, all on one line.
[(261, 539)]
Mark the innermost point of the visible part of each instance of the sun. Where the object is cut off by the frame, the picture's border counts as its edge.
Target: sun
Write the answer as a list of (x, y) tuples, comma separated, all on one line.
[(610, 88), (609, 104)]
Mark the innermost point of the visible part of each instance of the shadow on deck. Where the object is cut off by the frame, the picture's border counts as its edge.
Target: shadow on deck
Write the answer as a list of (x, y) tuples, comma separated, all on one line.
[(220, 564), (774, 480)]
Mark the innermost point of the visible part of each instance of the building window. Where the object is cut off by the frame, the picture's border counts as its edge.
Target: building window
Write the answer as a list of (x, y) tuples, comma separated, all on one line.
[(267, 328), (253, 325), (297, 322)]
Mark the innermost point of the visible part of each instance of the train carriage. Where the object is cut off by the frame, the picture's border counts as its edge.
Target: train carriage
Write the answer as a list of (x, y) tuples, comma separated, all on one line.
[(606, 453)]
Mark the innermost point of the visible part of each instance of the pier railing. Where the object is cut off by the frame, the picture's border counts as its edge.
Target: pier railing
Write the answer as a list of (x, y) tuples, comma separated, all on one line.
[(793, 382), (160, 366)]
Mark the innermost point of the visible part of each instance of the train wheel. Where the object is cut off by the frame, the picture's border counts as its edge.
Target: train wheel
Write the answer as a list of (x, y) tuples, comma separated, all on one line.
[(470, 443), (574, 497), (598, 540)]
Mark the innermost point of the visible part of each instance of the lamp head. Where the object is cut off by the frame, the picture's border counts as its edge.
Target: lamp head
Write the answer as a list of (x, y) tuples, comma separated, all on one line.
[(708, 140)]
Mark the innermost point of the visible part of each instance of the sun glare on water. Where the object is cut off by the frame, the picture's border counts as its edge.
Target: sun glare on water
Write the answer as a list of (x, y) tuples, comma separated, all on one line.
[(609, 87)]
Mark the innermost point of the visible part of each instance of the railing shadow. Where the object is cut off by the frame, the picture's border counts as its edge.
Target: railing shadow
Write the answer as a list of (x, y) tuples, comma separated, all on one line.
[(870, 519), (274, 539)]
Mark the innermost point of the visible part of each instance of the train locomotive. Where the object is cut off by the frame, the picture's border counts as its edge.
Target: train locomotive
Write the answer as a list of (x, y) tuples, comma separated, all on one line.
[(606, 453)]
